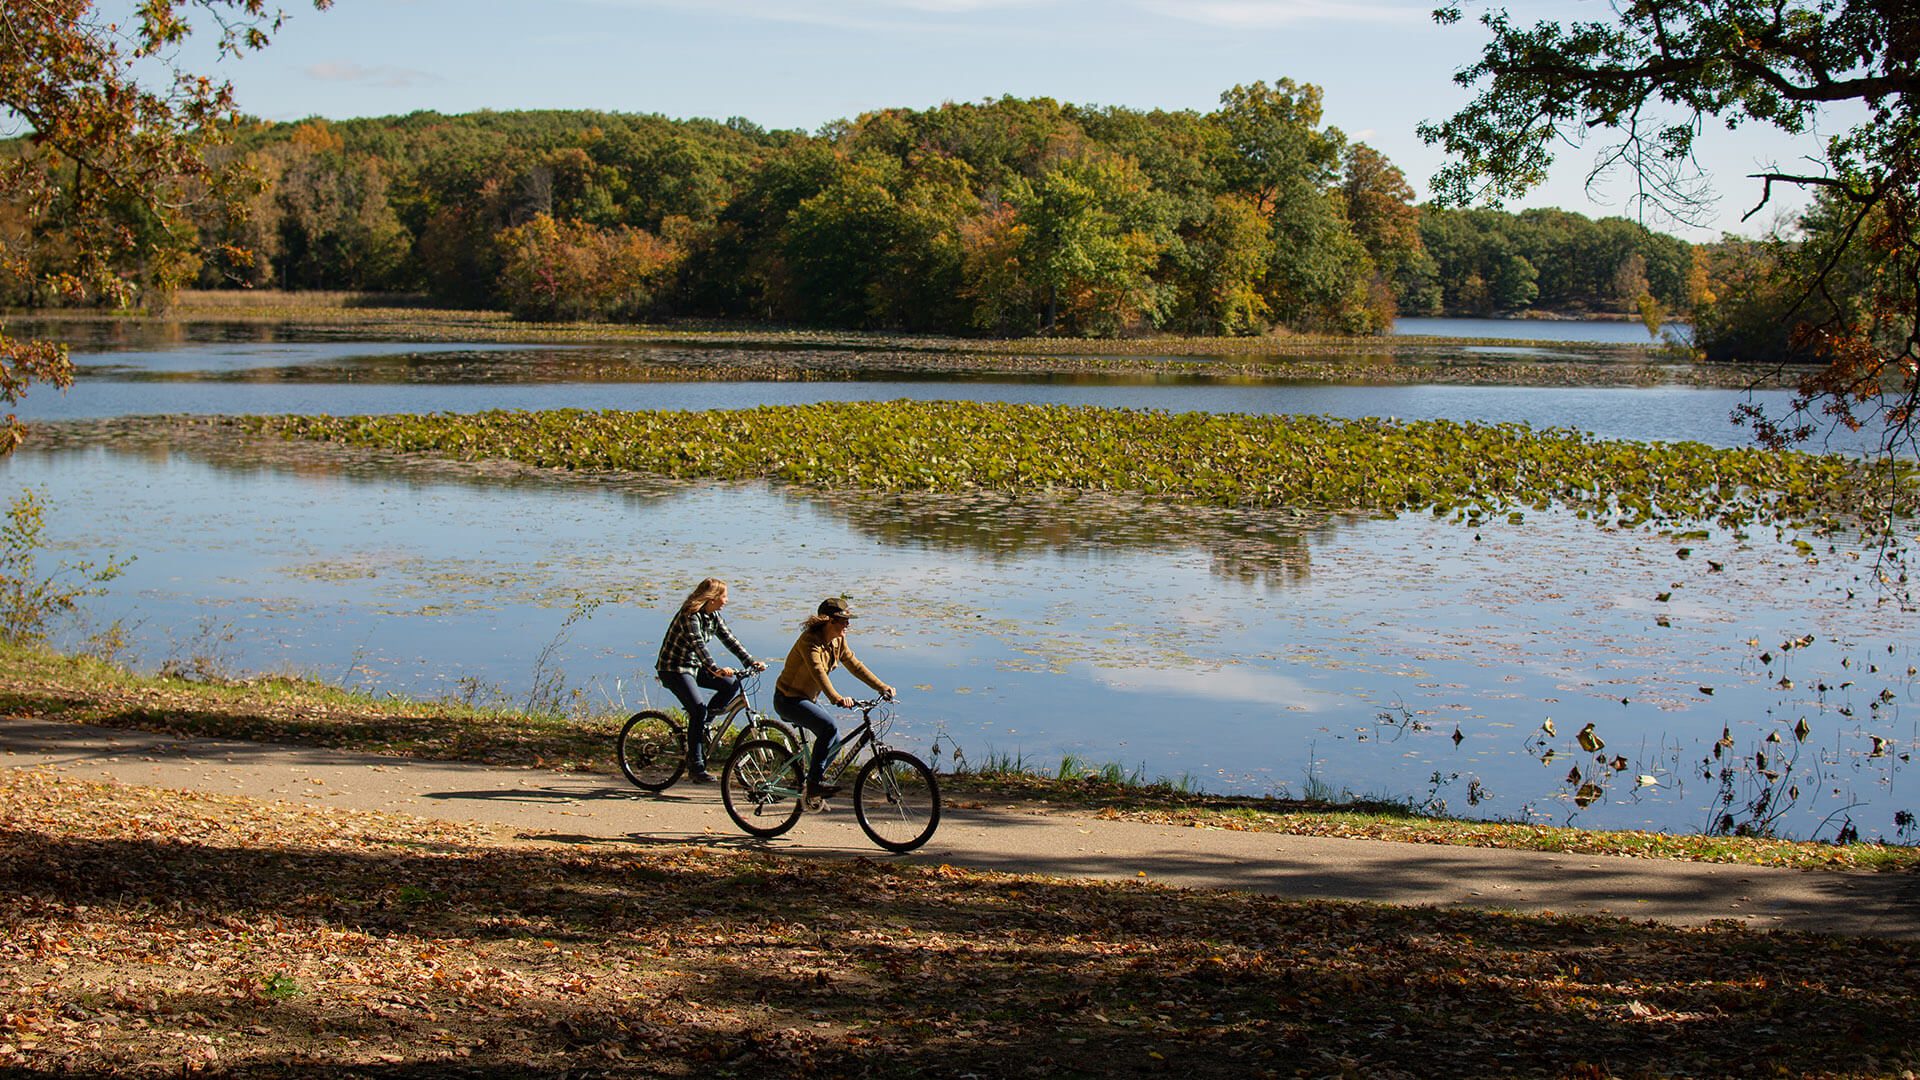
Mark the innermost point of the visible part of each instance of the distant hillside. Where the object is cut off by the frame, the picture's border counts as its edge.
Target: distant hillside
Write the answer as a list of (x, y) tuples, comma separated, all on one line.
[(1005, 217)]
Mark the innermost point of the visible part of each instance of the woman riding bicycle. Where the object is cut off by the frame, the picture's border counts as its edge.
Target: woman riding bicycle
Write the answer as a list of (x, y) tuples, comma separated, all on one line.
[(821, 647), (685, 667)]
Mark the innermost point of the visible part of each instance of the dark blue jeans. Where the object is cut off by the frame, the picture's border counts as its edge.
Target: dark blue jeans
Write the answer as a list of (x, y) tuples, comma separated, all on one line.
[(798, 710), (687, 688)]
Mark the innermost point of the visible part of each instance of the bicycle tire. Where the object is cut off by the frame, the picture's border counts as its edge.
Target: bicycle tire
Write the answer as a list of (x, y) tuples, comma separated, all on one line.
[(652, 749), (762, 787), (897, 801)]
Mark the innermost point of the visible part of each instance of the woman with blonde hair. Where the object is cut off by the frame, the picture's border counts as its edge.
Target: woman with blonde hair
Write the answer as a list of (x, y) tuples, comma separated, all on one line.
[(822, 646), (685, 667)]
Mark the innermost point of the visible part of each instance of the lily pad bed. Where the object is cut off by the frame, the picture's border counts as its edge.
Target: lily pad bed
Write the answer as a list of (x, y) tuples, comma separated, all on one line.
[(1468, 470)]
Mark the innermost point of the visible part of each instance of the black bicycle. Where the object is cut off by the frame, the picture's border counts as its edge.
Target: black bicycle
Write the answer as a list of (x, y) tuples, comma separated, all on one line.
[(653, 745), (896, 798)]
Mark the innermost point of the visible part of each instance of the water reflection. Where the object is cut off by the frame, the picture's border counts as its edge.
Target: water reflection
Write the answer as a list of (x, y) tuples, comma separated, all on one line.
[(1263, 548), (1252, 654), (1612, 331), (271, 361)]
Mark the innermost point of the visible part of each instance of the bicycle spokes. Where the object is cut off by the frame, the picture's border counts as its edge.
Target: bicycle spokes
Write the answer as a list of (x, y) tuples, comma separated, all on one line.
[(761, 787), (897, 801)]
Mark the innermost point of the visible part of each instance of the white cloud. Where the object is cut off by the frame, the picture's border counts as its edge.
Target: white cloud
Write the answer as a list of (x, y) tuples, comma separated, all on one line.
[(1266, 14), (381, 76), (956, 5), (838, 14), (1223, 684)]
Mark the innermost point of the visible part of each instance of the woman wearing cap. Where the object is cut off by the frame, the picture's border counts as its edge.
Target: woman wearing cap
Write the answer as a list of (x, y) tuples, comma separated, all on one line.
[(685, 667), (822, 646)]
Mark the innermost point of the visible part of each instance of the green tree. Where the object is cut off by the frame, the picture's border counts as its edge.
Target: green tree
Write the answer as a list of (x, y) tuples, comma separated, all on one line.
[(1273, 141), (923, 288), (1277, 156), (740, 267), (879, 245), (1515, 284), (1656, 73), (335, 227), (1319, 275), (109, 156), (1093, 234), (1225, 262)]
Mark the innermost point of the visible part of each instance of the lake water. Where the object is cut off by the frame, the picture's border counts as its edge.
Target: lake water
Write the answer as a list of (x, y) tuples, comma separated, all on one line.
[(348, 377), (1249, 652), (1605, 331)]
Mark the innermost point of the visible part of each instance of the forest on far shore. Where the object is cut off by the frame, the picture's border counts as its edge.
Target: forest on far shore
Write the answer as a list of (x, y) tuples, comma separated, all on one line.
[(1006, 217)]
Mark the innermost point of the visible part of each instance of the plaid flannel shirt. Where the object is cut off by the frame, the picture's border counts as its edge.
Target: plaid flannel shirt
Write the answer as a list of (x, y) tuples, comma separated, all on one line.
[(685, 646)]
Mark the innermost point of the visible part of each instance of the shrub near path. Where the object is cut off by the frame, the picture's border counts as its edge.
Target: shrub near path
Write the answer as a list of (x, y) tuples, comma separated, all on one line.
[(165, 933)]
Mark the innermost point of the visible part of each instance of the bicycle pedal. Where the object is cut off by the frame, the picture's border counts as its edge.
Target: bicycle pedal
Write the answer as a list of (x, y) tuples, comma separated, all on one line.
[(816, 805)]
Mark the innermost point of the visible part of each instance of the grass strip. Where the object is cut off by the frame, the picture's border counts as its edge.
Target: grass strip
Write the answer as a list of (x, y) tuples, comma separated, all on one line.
[(44, 685)]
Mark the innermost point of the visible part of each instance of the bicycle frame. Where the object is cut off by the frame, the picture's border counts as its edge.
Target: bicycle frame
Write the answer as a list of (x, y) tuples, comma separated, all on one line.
[(652, 747), (742, 703), (845, 751)]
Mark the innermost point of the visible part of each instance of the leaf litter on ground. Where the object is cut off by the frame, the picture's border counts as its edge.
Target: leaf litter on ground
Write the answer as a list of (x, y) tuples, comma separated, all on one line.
[(158, 933)]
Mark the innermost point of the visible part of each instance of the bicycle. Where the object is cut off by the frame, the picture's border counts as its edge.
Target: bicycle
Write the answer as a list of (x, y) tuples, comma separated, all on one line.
[(896, 798), (652, 747)]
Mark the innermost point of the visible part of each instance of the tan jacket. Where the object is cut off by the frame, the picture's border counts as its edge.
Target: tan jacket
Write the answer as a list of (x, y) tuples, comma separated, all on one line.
[(805, 673)]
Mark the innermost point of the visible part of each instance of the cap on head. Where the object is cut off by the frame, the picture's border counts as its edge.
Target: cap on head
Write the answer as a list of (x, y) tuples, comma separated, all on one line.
[(834, 607)]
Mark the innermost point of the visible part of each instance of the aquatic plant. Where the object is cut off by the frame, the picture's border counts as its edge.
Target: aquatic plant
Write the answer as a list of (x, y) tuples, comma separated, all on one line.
[(1470, 471)]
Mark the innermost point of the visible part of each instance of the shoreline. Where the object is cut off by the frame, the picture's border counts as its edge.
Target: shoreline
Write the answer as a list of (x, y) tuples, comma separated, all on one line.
[(40, 684)]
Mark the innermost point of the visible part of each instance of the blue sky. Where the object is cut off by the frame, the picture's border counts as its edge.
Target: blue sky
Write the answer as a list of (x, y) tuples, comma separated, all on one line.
[(1383, 64)]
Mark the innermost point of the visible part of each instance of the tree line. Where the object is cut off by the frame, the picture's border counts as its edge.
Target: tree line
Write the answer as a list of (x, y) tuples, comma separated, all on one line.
[(1002, 217)]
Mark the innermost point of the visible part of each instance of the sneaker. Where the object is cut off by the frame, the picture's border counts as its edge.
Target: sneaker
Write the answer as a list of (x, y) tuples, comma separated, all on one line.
[(822, 791), (699, 775)]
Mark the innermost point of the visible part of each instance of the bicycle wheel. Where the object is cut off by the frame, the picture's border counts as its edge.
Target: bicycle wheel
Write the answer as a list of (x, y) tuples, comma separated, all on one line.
[(652, 750), (897, 801), (761, 787)]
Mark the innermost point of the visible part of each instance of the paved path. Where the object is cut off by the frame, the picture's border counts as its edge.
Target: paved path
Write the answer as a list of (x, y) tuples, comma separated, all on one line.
[(572, 806)]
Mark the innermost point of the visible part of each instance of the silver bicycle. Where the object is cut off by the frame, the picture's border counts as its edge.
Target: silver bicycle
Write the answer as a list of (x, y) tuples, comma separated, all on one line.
[(653, 745)]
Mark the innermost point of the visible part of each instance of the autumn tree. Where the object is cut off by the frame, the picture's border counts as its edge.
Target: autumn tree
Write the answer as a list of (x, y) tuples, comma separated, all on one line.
[(1654, 75), (561, 270), (108, 158), (1379, 208), (333, 225), (995, 283)]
